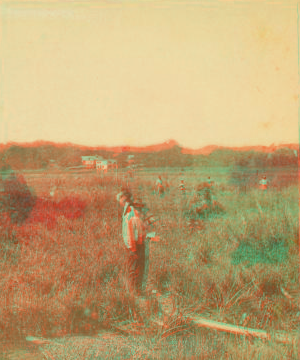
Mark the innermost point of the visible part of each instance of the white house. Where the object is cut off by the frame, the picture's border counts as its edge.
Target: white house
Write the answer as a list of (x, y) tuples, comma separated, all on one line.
[(90, 161), (105, 165)]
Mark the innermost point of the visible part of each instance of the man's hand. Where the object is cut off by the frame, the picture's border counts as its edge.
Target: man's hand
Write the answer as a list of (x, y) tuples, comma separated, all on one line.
[(155, 238), (151, 235)]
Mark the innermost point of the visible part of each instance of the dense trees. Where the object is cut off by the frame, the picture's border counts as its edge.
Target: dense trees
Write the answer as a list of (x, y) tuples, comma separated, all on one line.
[(43, 157)]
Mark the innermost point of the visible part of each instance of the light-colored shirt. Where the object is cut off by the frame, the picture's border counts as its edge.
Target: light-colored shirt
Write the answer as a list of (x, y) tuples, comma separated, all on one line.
[(133, 229), (158, 182), (263, 182)]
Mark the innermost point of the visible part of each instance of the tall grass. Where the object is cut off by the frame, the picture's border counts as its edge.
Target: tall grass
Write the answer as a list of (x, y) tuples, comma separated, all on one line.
[(71, 279)]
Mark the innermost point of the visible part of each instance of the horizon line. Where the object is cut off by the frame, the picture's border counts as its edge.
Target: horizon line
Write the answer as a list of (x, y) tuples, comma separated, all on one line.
[(167, 142)]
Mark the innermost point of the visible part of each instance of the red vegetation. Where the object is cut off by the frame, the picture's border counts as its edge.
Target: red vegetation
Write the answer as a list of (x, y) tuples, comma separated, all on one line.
[(47, 211)]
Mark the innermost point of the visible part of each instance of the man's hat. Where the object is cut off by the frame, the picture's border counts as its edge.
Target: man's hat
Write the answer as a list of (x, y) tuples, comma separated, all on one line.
[(126, 193)]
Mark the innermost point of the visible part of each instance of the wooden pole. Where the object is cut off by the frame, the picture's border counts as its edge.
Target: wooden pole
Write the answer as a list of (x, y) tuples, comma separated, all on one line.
[(278, 336), (281, 337), (41, 341)]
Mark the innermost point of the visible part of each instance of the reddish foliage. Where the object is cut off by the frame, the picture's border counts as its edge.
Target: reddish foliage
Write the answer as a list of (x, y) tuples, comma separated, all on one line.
[(46, 211), (71, 207)]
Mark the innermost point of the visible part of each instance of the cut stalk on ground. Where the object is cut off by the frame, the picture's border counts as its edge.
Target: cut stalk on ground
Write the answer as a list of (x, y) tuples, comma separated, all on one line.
[(278, 336)]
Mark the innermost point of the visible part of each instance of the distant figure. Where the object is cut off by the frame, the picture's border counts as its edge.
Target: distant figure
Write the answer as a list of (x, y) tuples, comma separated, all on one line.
[(159, 186), (263, 184), (209, 182), (182, 187)]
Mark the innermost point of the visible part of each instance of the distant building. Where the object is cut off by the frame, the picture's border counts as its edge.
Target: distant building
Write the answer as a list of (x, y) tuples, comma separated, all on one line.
[(90, 161), (106, 165), (52, 164), (130, 159)]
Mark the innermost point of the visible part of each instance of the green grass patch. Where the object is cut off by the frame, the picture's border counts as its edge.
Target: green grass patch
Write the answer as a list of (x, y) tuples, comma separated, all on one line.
[(274, 252)]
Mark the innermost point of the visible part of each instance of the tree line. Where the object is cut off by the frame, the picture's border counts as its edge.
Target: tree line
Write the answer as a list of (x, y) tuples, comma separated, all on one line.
[(44, 156)]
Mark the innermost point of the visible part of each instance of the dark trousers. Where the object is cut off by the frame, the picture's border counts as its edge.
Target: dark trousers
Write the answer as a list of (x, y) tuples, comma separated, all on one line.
[(161, 190), (136, 263)]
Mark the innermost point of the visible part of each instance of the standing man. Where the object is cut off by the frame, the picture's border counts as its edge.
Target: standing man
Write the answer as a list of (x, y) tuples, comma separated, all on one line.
[(182, 187), (159, 186), (134, 236), (210, 182), (263, 184)]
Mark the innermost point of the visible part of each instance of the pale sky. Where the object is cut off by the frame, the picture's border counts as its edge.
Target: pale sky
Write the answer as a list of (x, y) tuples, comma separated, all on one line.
[(142, 72)]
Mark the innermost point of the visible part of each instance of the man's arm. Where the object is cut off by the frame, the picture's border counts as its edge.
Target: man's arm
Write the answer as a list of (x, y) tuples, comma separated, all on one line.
[(131, 235)]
